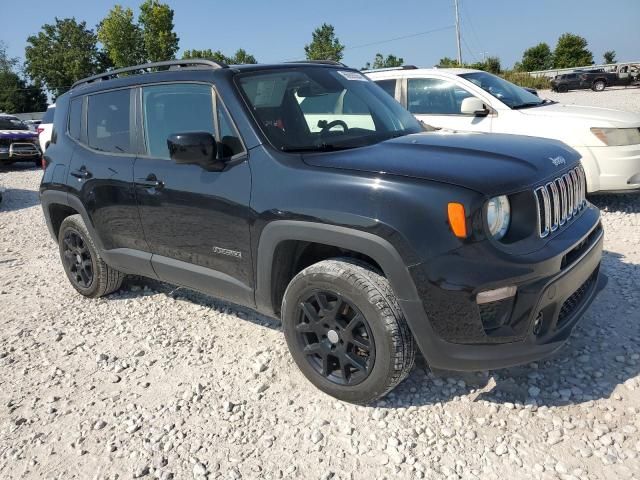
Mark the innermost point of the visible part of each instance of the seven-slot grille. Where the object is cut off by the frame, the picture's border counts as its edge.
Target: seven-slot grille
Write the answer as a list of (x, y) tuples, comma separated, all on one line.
[(560, 200)]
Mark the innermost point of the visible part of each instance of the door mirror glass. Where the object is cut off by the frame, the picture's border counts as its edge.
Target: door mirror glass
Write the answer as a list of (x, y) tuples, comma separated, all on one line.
[(473, 106), (195, 148)]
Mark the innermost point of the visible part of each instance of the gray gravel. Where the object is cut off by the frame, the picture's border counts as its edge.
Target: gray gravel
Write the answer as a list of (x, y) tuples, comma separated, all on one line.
[(155, 382), (619, 98)]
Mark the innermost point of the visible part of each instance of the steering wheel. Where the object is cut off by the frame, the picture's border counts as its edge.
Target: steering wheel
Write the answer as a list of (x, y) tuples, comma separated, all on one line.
[(328, 126)]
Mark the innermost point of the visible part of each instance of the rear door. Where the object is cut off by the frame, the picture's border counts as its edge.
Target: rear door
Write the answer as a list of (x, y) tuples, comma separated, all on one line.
[(195, 221), (438, 101), (101, 172)]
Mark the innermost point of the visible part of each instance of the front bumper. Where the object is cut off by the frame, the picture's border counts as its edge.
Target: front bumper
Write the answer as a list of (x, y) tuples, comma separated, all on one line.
[(19, 151), (611, 169), (555, 287)]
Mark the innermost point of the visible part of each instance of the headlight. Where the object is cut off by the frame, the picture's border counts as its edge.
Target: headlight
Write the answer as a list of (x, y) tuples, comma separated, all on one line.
[(498, 216), (615, 137)]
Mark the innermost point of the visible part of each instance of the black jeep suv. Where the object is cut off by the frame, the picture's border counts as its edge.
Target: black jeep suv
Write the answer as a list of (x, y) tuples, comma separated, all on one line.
[(303, 190)]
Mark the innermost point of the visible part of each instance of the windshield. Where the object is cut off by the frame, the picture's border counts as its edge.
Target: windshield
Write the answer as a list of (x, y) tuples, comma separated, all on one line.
[(12, 123), (511, 95), (318, 108)]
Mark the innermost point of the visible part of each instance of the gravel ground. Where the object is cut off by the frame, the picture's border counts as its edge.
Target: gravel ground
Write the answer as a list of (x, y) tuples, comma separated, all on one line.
[(619, 98), (159, 382)]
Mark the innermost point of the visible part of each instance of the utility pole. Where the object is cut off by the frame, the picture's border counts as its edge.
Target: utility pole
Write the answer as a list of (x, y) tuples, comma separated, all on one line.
[(458, 33)]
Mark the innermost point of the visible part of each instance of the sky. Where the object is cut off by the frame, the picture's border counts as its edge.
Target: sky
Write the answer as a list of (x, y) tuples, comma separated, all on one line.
[(420, 31)]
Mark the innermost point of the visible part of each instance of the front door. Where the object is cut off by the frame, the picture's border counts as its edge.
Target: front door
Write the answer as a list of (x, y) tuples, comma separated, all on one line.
[(437, 102), (195, 221)]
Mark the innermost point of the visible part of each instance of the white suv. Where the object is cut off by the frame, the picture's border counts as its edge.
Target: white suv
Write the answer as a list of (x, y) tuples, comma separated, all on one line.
[(46, 127), (463, 99)]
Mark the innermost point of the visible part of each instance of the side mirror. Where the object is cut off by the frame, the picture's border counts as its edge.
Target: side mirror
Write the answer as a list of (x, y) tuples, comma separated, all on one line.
[(195, 148), (473, 106)]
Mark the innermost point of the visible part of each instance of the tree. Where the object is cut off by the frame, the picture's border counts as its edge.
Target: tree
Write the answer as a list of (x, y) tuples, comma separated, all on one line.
[(240, 57), (6, 63), (381, 62), (539, 57), (609, 56), (16, 96), (60, 54), (447, 62), (324, 45), (122, 38), (156, 21), (571, 51), (492, 65)]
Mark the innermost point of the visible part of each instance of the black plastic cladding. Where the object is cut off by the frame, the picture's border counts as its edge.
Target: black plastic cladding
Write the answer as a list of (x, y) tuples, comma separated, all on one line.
[(387, 202)]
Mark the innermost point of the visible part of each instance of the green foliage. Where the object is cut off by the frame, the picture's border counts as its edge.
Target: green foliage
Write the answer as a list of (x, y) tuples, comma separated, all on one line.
[(62, 53), (571, 51), (381, 62), (539, 57), (525, 80), (447, 62), (609, 56), (122, 38), (16, 96), (156, 22), (240, 57), (490, 64), (324, 45), (6, 63)]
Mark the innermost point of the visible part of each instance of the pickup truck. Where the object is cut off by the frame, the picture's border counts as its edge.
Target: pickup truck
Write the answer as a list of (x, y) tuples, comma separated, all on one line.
[(597, 80)]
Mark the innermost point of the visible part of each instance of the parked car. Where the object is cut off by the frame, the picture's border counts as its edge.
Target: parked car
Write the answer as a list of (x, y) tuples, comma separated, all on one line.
[(45, 129), (463, 99), (17, 142), (596, 79), (306, 192), (33, 124)]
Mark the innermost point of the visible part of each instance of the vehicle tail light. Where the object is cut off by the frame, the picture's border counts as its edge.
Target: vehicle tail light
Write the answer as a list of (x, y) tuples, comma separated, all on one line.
[(457, 219), (43, 163), (40, 130)]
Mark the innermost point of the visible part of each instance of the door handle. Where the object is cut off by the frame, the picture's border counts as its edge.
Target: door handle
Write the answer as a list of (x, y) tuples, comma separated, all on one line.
[(150, 182), (81, 173)]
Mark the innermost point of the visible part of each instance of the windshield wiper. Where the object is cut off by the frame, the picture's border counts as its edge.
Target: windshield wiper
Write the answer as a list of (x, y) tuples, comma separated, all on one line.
[(325, 147), (546, 101)]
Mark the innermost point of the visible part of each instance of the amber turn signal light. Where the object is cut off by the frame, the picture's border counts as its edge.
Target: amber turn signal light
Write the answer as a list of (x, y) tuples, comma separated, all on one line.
[(457, 219)]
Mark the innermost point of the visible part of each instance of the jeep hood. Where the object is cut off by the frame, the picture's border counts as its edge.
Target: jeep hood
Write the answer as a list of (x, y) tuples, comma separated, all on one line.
[(593, 116), (491, 164)]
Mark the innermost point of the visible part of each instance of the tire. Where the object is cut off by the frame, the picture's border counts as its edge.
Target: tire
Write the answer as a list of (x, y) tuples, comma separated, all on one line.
[(599, 86), (355, 295), (563, 89), (85, 269)]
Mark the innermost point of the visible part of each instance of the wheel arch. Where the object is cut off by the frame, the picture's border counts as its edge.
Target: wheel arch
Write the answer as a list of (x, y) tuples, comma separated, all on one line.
[(376, 250)]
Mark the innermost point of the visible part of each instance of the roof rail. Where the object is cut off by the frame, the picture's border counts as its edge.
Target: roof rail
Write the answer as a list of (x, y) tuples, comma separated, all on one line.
[(170, 64), (321, 62), (387, 69)]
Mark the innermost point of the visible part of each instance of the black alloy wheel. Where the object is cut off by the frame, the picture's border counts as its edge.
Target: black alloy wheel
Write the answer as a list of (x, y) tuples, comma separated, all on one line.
[(335, 338), (77, 259)]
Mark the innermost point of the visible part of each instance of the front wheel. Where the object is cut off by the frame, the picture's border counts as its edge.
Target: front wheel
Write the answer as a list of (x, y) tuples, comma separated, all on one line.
[(599, 85), (86, 270), (563, 89), (346, 332)]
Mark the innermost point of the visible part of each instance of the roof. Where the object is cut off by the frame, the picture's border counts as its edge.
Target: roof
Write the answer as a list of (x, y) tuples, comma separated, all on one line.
[(446, 71)]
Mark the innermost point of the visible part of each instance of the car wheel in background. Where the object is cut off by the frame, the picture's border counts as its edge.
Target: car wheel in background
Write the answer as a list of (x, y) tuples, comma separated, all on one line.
[(86, 270), (599, 85), (346, 332), (563, 89)]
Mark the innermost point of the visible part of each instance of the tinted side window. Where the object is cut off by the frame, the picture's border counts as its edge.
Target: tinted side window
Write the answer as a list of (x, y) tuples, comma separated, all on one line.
[(75, 118), (229, 140), (48, 115), (388, 86), (177, 108), (434, 96), (108, 128)]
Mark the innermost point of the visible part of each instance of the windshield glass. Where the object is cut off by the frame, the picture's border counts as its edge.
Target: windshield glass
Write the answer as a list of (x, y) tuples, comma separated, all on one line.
[(511, 95), (12, 123), (323, 109)]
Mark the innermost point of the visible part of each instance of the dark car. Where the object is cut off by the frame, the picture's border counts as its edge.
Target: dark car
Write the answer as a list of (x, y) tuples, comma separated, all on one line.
[(17, 142), (368, 237), (595, 79)]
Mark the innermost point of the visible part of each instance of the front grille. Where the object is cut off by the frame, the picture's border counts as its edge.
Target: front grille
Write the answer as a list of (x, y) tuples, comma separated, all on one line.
[(576, 299), (560, 200)]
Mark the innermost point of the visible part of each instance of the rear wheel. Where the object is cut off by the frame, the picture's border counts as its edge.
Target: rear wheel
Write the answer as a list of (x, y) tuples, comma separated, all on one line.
[(86, 270), (346, 331), (563, 89), (599, 85)]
